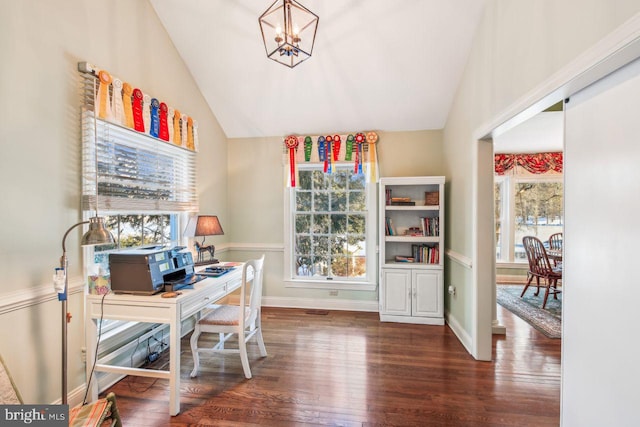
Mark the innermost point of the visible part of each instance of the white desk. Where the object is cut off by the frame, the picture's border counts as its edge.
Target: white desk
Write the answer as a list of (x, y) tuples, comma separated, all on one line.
[(154, 309)]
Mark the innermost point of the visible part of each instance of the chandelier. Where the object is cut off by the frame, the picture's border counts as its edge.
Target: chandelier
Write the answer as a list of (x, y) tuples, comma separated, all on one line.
[(288, 32)]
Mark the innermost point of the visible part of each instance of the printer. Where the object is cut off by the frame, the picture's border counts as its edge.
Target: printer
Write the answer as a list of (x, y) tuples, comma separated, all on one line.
[(150, 270)]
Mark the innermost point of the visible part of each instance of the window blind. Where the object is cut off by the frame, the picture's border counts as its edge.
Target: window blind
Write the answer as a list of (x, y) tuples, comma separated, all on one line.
[(124, 170)]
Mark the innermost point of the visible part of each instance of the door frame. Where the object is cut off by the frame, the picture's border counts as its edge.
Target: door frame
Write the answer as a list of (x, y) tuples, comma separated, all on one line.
[(614, 51)]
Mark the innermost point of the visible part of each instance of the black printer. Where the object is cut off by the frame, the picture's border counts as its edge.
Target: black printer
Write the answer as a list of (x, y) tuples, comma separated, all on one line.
[(150, 270)]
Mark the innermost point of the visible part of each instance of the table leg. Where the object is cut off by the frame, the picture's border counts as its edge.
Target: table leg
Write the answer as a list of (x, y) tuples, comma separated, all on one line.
[(174, 365)]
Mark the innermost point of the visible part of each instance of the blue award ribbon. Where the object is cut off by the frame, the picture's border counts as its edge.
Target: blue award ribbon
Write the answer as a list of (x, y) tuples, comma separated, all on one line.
[(155, 118)]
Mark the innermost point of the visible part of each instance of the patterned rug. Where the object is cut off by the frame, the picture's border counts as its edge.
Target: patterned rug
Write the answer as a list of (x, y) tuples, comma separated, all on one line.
[(528, 308)]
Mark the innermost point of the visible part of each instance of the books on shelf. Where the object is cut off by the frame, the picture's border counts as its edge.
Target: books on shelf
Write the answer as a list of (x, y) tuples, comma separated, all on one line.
[(402, 258), (426, 254), (430, 226), (389, 229)]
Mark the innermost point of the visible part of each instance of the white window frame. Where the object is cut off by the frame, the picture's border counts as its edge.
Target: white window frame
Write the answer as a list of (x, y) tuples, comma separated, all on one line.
[(367, 284), (509, 183)]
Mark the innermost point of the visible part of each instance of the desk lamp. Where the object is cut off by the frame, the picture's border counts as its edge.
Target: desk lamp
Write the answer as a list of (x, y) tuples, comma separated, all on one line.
[(96, 235), (207, 225)]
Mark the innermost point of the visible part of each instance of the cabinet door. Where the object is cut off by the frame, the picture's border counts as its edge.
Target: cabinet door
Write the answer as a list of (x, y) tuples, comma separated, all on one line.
[(428, 296), (396, 292)]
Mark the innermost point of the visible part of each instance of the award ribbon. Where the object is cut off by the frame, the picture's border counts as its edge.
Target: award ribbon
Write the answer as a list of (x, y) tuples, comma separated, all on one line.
[(291, 142), (127, 93), (102, 98), (195, 135), (307, 148), (154, 128), (358, 162), (183, 130), (347, 155), (170, 114), (190, 144), (372, 138), (177, 128), (321, 152), (336, 147), (164, 126), (327, 158), (146, 112), (138, 121), (117, 108)]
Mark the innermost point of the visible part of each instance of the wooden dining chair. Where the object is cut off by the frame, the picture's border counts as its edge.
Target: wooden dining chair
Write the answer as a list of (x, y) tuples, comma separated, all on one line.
[(540, 268), (555, 241), (242, 319)]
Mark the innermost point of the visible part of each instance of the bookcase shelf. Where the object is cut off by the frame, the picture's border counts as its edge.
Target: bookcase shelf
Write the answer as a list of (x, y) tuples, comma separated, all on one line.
[(411, 249)]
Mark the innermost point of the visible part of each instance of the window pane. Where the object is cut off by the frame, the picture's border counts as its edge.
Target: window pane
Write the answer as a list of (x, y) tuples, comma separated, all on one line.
[(329, 237), (497, 194), (321, 201), (538, 212)]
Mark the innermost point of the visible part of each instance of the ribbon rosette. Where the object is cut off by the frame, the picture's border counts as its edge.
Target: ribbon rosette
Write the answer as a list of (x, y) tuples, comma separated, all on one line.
[(291, 142), (358, 162)]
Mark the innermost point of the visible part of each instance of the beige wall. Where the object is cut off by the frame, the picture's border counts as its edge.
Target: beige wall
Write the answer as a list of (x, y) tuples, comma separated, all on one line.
[(256, 199), (518, 45), (42, 42)]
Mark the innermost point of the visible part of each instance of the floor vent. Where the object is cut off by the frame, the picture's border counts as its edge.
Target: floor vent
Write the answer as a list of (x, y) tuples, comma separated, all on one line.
[(317, 312)]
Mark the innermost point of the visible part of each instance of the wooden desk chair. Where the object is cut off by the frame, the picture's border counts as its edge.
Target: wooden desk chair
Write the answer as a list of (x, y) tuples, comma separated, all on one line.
[(227, 320), (540, 267)]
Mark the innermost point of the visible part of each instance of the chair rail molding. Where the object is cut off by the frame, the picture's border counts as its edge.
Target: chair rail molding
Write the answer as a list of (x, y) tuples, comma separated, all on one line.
[(458, 258)]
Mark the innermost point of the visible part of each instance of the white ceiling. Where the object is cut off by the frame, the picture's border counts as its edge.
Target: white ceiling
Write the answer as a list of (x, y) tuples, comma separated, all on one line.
[(376, 64), (543, 132)]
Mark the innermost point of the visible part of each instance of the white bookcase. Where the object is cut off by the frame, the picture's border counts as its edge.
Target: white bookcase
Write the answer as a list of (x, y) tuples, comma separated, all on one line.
[(411, 249)]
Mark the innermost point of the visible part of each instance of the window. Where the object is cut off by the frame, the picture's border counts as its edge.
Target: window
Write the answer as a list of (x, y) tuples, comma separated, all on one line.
[(525, 205), (331, 229)]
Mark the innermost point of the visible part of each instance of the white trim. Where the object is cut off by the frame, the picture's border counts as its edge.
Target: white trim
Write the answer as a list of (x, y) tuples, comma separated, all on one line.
[(332, 285), (459, 258), (610, 53), (324, 304), (459, 331), (264, 247), (25, 298), (615, 50)]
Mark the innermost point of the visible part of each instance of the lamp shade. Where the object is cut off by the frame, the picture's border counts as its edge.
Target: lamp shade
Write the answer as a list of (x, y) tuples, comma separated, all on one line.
[(97, 233), (208, 225)]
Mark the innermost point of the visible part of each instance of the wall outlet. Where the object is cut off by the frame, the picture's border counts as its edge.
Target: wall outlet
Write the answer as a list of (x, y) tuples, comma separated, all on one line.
[(333, 293), (83, 354)]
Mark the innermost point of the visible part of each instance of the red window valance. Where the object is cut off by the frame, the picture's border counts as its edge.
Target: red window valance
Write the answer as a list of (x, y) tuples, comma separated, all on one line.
[(537, 163)]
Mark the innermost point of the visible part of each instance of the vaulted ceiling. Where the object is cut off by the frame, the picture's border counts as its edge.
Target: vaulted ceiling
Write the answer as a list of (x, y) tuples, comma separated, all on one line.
[(376, 64)]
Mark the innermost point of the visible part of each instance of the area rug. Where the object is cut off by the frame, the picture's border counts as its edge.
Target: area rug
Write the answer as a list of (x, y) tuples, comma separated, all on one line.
[(529, 308)]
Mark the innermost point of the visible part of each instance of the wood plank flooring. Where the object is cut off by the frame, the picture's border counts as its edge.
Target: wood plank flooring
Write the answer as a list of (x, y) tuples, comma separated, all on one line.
[(350, 369)]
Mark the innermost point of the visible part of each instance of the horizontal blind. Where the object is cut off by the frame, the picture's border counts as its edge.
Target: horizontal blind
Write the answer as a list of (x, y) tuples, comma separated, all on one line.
[(136, 173)]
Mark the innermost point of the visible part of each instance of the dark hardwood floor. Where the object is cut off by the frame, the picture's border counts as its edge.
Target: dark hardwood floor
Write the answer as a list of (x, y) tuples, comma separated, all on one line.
[(350, 369)]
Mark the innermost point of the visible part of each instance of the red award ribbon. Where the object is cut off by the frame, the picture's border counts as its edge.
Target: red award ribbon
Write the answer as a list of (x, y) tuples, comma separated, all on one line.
[(127, 94), (291, 142), (164, 125), (357, 169), (138, 121), (327, 154), (103, 104), (336, 147)]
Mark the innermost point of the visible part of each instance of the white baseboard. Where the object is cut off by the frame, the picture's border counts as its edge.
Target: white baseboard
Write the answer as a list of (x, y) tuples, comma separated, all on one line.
[(459, 331), (323, 304)]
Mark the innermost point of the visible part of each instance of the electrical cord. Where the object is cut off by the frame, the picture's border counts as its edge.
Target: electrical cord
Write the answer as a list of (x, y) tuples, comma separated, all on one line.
[(95, 358)]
